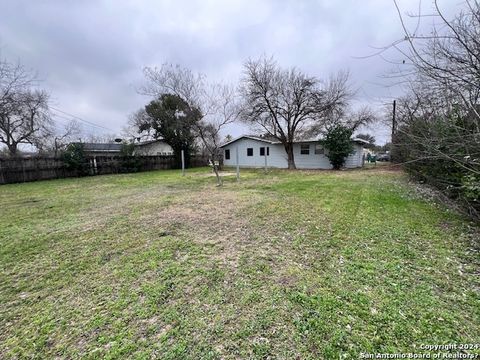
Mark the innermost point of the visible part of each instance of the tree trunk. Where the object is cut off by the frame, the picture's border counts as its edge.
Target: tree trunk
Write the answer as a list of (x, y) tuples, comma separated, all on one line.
[(219, 179), (217, 174), (12, 149), (290, 156)]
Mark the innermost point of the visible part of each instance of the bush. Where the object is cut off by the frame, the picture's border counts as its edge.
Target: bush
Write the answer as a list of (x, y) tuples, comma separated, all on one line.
[(444, 152), (75, 159), (339, 145), (129, 162)]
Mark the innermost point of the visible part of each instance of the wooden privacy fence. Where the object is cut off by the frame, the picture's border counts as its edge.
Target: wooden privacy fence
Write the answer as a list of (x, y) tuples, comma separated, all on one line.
[(14, 170)]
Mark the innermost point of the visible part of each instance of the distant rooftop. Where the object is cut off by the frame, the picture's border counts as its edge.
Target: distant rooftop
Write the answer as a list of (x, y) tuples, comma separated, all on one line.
[(102, 147), (146, 142)]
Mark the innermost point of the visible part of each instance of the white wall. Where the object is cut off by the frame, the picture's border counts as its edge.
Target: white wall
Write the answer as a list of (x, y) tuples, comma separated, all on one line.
[(356, 159), (312, 160), (154, 148), (278, 156)]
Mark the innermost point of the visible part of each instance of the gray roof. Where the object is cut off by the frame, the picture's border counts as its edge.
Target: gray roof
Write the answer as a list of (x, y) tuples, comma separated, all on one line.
[(357, 140), (253, 138), (147, 142), (102, 147)]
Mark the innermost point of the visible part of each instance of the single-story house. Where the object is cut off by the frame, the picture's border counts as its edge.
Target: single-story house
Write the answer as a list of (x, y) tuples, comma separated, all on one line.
[(145, 148), (308, 154), (102, 149), (153, 147)]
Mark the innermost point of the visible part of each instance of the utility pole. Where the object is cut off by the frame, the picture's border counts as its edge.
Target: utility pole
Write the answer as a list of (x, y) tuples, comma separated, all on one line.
[(394, 120)]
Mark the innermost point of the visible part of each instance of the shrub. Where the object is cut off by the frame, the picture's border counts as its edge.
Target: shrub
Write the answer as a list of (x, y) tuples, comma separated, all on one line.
[(129, 162), (339, 145), (443, 151), (75, 159)]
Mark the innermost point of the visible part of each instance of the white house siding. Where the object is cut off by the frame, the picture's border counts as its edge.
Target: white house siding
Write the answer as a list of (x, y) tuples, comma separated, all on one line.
[(154, 148), (356, 159), (310, 161), (278, 156)]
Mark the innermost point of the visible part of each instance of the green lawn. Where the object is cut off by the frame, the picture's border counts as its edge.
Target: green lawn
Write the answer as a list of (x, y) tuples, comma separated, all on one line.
[(285, 265)]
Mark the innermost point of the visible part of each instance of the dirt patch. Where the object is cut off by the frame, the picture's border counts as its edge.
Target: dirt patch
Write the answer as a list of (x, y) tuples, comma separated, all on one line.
[(212, 174), (218, 218)]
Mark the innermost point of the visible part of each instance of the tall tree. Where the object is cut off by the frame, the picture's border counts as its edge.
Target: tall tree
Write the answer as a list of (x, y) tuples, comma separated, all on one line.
[(437, 135), (285, 102), (24, 112), (172, 119), (176, 80), (448, 58), (214, 105)]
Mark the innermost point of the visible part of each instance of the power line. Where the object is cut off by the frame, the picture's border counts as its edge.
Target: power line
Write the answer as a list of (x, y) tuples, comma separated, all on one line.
[(80, 119), (64, 120)]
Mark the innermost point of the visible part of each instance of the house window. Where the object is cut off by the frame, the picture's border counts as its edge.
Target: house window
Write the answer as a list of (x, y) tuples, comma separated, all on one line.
[(249, 151), (319, 149), (305, 149), (227, 154), (262, 151)]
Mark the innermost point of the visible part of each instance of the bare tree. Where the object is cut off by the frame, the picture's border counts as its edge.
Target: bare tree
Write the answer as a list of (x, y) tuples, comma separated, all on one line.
[(438, 131), (448, 58), (445, 85), (24, 112), (14, 78), (100, 138), (224, 110), (59, 138), (344, 116), (286, 102), (174, 79), (216, 103), (135, 129)]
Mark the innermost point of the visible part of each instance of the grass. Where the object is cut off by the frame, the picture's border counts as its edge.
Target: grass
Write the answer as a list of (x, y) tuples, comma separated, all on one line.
[(285, 265)]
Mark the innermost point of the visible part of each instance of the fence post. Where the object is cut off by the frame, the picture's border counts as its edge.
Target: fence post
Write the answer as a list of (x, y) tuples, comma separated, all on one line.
[(183, 163), (265, 156), (2, 180), (238, 165)]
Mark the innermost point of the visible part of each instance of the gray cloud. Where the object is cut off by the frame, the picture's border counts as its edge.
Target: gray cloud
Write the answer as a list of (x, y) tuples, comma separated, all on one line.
[(91, 53)]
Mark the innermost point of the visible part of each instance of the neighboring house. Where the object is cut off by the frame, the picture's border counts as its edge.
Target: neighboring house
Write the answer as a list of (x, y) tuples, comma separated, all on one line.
[(153, 147), (308, 154), (146, 148), (101, 149)]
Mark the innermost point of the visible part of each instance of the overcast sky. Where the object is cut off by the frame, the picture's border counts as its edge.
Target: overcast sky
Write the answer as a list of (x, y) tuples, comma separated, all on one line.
[(91, 53)]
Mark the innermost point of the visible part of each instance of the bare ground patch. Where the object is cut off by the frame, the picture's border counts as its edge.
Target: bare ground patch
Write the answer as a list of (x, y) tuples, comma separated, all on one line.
[(220, 218)]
